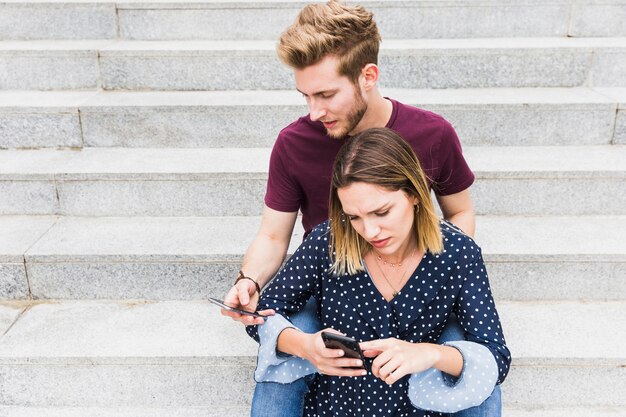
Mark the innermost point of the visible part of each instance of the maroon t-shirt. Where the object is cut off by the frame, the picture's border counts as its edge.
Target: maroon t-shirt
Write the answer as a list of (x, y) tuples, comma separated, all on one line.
[(302, 160)]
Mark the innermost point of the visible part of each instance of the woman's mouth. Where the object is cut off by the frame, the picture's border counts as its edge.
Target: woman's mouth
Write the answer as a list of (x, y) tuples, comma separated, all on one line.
[(380, 243)]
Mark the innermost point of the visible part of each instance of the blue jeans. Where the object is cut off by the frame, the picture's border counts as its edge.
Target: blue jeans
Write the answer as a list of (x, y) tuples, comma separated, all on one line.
[(272, 399)]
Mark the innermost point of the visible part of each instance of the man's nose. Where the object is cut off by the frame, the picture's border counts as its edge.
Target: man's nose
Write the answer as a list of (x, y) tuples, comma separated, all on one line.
[(316, 110)]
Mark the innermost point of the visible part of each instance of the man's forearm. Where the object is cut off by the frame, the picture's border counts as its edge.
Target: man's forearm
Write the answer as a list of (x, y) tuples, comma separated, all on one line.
[(263, 259), (465, 221)]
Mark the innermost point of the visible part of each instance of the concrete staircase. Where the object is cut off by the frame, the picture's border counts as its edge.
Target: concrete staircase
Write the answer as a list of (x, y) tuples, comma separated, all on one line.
[(134, 143)]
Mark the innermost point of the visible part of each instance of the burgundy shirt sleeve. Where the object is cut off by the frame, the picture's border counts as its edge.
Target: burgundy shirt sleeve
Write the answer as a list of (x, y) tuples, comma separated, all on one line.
[(455, 175), (282, 193)]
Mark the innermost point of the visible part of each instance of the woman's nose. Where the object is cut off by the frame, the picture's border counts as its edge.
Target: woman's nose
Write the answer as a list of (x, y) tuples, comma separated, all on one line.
[(371, 230)]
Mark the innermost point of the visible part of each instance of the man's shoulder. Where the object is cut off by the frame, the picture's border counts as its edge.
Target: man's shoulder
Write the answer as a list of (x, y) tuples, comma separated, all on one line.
[(302, 127), (420, 127), (415, 116)]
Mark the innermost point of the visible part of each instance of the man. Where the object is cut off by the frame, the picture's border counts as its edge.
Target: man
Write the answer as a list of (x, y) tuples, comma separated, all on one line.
[(333, 51)]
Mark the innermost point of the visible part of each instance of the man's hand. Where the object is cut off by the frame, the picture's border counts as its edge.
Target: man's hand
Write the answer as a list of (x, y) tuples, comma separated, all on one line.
[(244, 296)]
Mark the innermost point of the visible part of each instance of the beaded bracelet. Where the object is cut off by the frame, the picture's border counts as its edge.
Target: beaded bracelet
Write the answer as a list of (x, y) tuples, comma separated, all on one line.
[(241, 276)]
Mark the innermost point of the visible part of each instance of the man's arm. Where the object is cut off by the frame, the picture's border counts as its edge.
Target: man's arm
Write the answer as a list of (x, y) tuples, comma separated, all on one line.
[(458, 209), (262, 260)]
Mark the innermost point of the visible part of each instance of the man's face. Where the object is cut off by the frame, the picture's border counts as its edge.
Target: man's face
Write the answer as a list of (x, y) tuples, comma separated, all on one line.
[(332, 98)]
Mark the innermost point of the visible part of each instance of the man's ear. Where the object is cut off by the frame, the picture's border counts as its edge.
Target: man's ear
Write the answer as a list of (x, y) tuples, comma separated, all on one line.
[(370, 76)]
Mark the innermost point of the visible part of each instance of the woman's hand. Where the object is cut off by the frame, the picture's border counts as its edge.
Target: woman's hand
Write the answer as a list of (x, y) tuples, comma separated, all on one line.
[(396, 358), (330, 361)]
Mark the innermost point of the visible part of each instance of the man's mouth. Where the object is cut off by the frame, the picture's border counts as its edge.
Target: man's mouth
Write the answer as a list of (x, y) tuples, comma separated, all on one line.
[(329, 125)]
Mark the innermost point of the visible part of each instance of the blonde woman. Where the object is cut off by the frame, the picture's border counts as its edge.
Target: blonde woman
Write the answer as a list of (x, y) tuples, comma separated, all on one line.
[(387, 272)]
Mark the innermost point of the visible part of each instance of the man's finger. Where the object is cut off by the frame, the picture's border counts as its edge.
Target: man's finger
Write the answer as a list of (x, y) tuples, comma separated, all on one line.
[(243, 295)]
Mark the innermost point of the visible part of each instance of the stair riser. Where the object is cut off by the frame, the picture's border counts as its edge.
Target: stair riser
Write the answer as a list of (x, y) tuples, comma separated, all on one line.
[(266, 21), (257, 126), (429, 21), (193, 280), (563, 386), (46, 71), (253, 70), (232, 384), (13, 284), (227, 381), (244, 196), (225, 411), (620, 128), (57, 21)]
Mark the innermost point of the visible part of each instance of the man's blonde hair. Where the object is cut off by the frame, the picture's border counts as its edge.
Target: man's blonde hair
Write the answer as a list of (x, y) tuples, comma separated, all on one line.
[(378, 156), (320, 30)]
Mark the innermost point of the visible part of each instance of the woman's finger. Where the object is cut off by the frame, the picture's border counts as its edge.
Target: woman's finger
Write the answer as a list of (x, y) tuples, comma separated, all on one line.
[(371, 353), (334, 371), (389, 368), (380, 361)]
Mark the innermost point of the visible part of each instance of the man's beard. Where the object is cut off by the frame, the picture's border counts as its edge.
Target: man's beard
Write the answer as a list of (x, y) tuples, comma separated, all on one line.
[(353, 118)]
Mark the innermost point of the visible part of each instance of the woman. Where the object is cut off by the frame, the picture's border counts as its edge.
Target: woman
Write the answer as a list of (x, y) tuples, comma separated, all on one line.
[(385, 271)]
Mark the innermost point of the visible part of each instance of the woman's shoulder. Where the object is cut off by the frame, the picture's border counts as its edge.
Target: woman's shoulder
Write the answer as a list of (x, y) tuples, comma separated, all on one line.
[(321, 231), (457, 242)]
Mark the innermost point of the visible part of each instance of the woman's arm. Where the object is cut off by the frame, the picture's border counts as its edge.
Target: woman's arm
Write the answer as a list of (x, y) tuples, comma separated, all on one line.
[(396, 358), (476, 310), (311, 347)]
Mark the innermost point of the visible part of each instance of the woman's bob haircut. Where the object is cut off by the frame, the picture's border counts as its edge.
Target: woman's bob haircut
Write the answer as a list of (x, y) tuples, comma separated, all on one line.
[(378, 156)]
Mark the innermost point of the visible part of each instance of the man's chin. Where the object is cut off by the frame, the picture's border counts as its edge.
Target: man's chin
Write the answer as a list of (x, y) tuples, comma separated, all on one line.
[(336, 133)]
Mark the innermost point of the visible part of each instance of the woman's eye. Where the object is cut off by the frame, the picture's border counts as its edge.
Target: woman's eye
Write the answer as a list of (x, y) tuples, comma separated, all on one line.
[(352, 218), (382, 213)]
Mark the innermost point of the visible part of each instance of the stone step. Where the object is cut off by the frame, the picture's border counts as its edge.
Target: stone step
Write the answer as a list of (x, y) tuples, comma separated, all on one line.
[(244, 411), (192, 258), (215, 20), (245, 65), (544, 180), (541, 116), (169, 354)]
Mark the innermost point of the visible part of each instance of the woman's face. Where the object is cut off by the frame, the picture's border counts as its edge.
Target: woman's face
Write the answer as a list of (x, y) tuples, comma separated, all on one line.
[(383, 218)]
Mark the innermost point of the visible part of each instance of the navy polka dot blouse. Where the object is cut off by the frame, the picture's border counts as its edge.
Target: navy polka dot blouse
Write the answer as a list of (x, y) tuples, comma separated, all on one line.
[(453, 282)]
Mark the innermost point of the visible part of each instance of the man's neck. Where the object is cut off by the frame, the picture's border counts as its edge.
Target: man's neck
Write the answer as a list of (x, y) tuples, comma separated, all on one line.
[(378, 113)]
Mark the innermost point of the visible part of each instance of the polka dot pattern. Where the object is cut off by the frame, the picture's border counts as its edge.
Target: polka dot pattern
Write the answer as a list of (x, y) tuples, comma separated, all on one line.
[(453, 282)]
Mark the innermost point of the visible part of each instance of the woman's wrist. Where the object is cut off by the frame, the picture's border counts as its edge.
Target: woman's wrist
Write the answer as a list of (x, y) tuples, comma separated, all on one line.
[(448, 359), (292, 342)]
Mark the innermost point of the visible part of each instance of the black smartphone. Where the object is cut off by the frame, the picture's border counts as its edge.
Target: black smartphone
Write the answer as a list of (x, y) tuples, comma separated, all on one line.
[(235, 310), (349, 345)]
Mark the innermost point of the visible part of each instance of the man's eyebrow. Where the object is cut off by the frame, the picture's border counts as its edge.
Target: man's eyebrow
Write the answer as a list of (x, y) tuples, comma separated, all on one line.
[(319, 93)]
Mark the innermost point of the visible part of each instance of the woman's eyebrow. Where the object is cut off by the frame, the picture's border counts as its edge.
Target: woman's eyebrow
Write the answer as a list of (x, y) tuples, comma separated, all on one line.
[(385, 206)]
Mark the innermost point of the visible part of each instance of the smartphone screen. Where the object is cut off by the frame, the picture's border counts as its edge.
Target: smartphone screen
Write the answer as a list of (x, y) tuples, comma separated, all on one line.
[(349, 345), (233, 309)]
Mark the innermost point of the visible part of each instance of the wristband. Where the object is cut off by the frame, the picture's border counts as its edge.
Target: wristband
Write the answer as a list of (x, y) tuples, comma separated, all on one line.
[(241, 276)]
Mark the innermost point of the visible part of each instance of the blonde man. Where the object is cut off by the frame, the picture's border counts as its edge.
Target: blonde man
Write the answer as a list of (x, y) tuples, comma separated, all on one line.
[(333, 51)]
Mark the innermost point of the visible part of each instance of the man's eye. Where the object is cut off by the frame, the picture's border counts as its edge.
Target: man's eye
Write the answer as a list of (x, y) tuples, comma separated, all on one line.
[(327, 96)]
